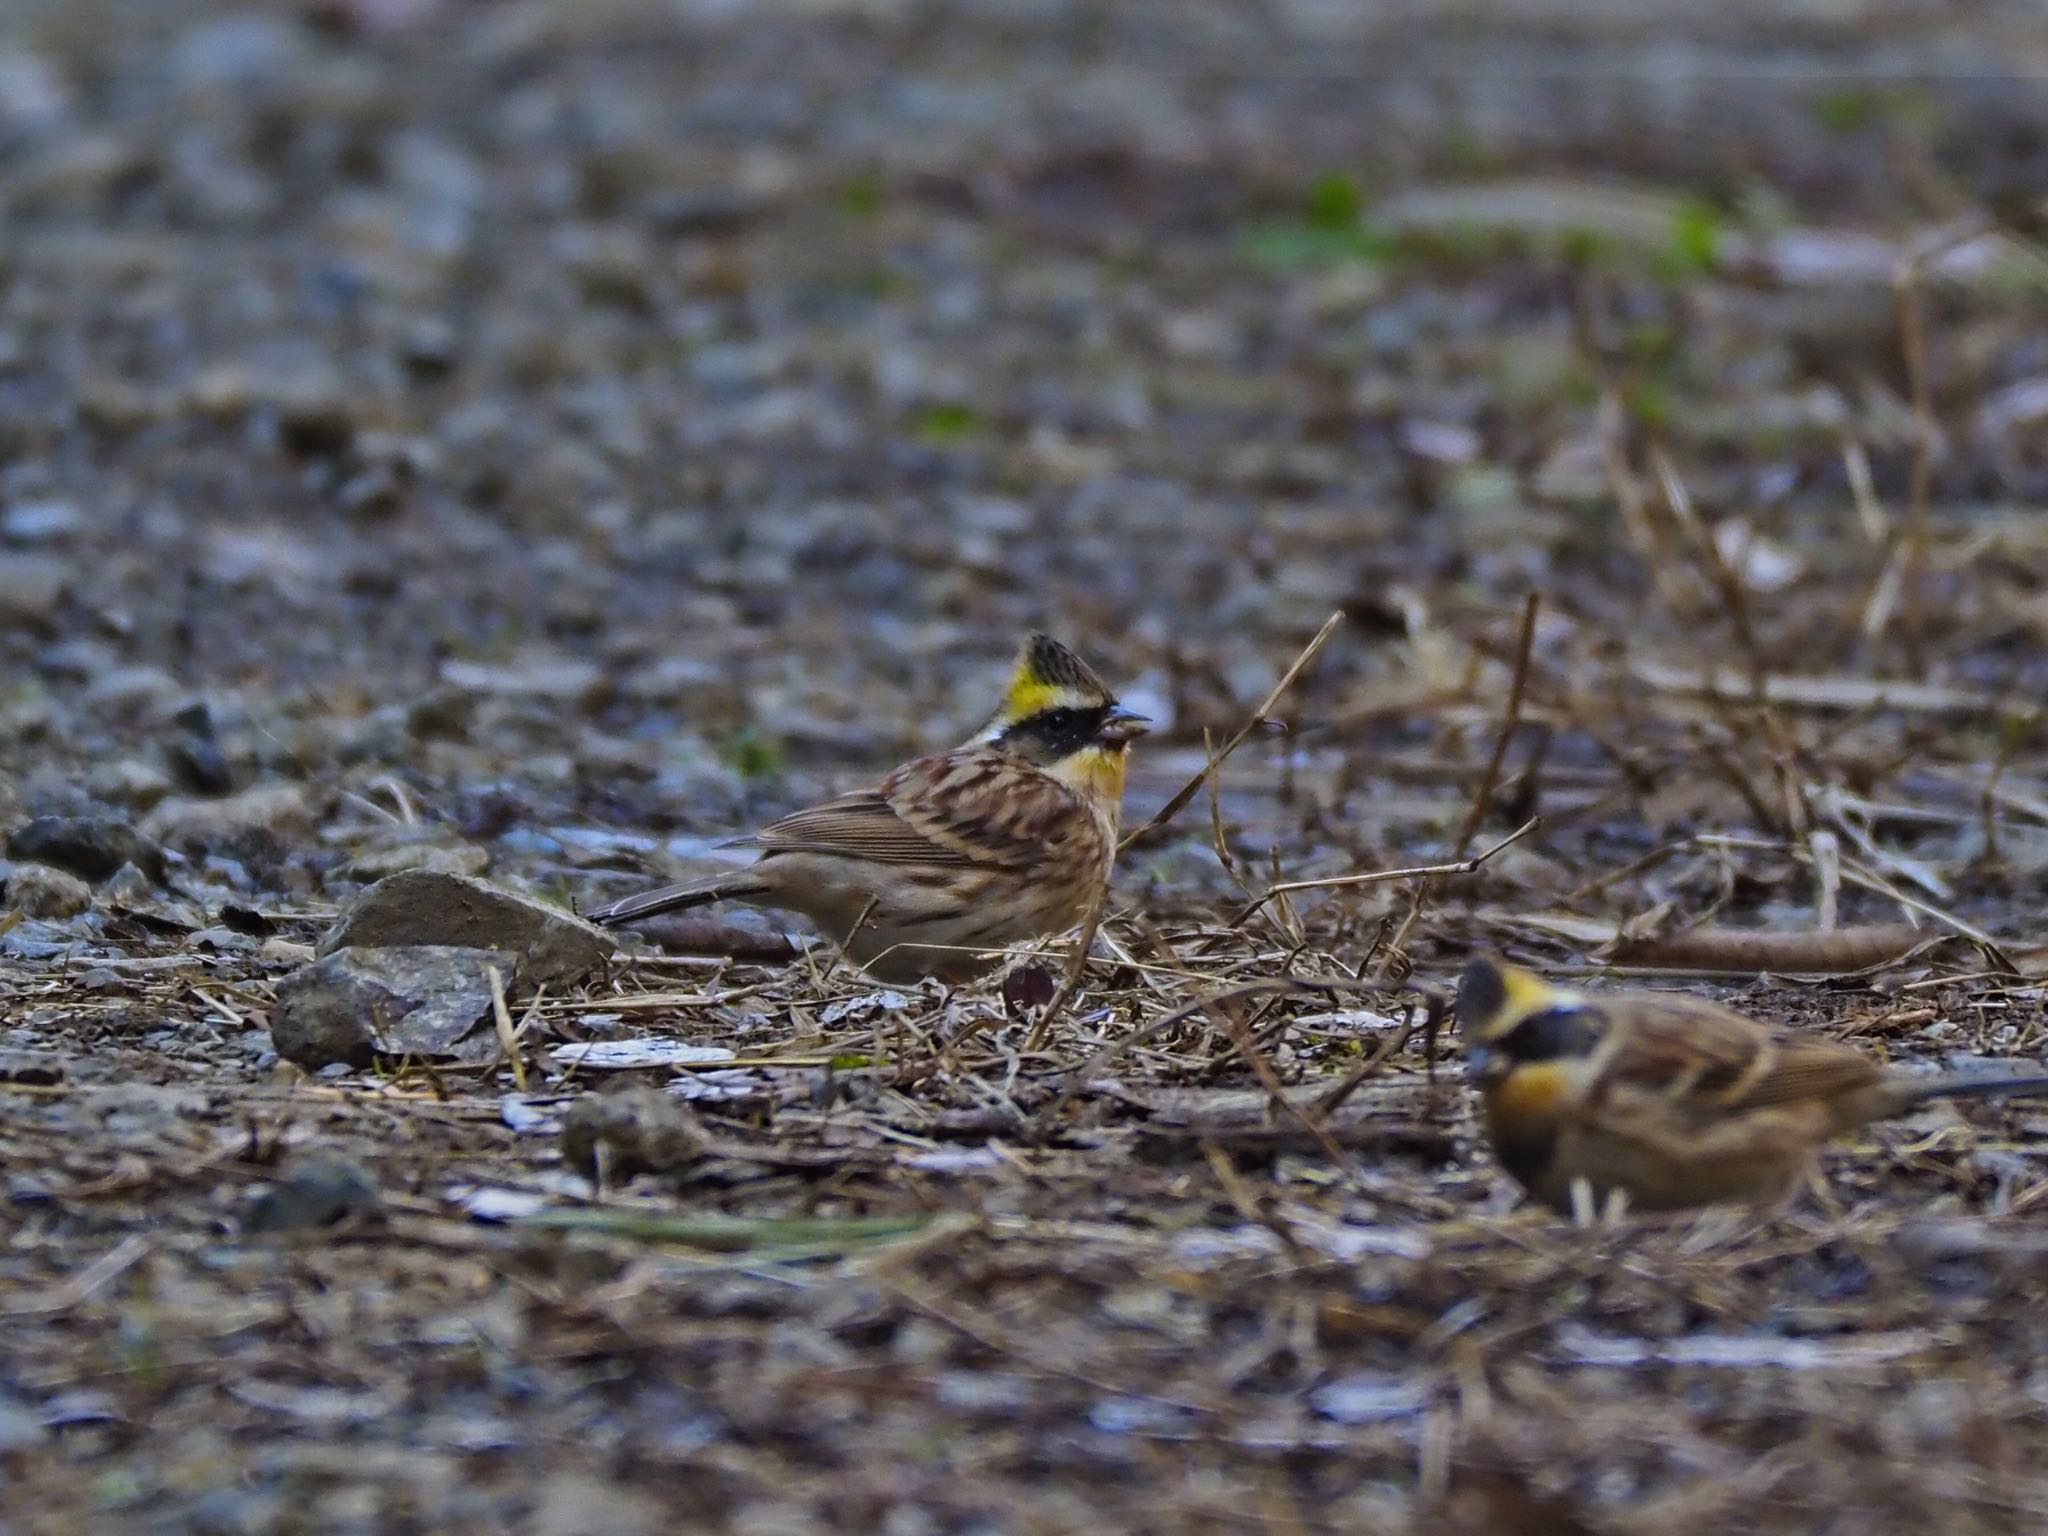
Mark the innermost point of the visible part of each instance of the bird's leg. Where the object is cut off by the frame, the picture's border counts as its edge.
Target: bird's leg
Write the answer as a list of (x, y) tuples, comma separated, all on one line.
[(1614, 1209), (1582, 1203)]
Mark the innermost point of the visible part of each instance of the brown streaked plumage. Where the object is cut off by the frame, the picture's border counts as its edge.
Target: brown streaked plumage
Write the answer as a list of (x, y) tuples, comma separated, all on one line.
[(1671, 1100), (1005, 839)]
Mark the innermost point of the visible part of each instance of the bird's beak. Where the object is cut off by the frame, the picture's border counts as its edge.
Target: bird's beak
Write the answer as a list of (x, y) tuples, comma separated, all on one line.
[(1485, 1066), (1121, 725)]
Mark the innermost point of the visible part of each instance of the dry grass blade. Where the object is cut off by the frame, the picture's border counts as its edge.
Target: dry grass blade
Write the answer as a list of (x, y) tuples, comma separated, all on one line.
[(1221, 1014), (508, 1036), (1482, 801), (1462, 866), (1175, 805), (88, 1282), (1077, 962), (1391, 1045), (1926, 430), (1080, 1077)]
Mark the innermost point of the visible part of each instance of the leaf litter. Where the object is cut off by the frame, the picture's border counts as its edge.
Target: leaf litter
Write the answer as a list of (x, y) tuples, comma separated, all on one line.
[(533, 444)]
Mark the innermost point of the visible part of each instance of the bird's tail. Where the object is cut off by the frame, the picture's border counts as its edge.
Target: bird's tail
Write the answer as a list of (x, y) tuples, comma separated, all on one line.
[(1975, 1085), (735, 885)]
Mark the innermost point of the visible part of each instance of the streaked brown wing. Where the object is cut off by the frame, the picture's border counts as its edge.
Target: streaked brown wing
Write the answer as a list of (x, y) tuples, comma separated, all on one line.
[(1710, 1057), (1683, 1046), (859, 825), (988, 808), (962, 808), (1811, 1068)]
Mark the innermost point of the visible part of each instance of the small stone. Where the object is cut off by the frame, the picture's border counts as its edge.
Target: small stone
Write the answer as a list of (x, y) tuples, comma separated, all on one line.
[(222, 940), (240, 51), (581, 1504), (31, 587), (37, 890), (283, 811), (361, 1003), (126, 887), (317, 1193), (38, 1069), (707, 210), (20, 1427), (434, 858), (611, 1137), (536, 675), (425, 907), (133, 690), (371, 493), (195, 755), (428, 347), (41, 522), (91, 847), (35, 93), (129, 781)]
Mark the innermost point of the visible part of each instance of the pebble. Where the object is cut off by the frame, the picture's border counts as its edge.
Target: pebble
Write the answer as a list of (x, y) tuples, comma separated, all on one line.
[(434, 858), (31, 588), (129, 781), (92, 847), (41, 522), (37, 890), (316, 1193), (283, 810), (637, 1130)]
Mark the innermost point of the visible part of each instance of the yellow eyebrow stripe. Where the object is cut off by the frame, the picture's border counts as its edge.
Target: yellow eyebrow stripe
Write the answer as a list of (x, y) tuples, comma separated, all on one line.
[(1027, 696), (1524, 993)]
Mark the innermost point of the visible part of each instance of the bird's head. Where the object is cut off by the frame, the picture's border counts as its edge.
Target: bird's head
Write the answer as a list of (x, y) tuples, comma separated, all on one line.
[(1510, 1015), (1057, 714)]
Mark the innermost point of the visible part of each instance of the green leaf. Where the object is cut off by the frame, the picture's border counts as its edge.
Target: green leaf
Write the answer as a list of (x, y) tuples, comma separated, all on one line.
[(1334, 203), (950, 421), (1695, 238), (753, 756)]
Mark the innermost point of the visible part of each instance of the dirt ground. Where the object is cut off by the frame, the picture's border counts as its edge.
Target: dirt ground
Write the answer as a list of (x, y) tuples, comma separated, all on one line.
[(539, 438)]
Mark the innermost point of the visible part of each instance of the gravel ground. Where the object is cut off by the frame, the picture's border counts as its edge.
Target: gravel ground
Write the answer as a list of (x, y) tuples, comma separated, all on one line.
[(534, 440)]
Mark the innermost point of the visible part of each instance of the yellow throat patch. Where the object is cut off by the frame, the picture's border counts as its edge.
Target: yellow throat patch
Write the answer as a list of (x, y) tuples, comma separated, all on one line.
[(1096, 773)]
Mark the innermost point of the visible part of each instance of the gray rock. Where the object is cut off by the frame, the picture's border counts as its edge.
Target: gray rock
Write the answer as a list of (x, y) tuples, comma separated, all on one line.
[(41, 522), (35, 1068), (134, 690), (126, 887), (20, 1426), (361, 1003), (37, 890), (245, 50), (398, 858), (31, 587), (283, 811), (316, 1193), (35, 93), (429, 907), (610, 1137), (129, 781), (91, 847), (562, 679)]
